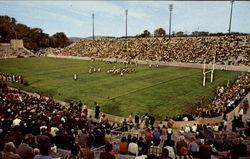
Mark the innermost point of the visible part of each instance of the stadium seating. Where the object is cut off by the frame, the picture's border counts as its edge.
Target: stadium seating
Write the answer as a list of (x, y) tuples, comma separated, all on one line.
[(232, 50)]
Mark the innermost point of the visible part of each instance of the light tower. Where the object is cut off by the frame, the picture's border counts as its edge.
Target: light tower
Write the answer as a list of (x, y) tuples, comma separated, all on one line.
[(126, 23), (170, 14), (93, 26), (230, 21)]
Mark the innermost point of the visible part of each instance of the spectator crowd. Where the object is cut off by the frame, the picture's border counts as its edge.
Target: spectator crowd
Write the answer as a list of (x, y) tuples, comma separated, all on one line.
[(233, 50)]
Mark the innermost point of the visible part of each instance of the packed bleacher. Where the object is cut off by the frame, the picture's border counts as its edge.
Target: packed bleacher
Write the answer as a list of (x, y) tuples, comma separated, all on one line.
[(42, 123), (234, 50)]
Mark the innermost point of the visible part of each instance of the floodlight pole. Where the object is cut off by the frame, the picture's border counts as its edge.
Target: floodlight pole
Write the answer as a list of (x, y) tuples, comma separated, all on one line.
[(93, 26), (230, 21), (170, 9), (126, 23)]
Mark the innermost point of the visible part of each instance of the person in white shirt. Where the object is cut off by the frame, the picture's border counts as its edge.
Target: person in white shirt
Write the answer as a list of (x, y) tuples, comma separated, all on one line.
[(187, 128), (185, 118), (171, 152), (16, 122), (133, 148), (194, 128), (216, 127), (241, 112)]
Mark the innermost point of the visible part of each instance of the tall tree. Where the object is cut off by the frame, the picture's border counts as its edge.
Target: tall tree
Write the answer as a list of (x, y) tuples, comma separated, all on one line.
[(180, 33), (160, 32), (145, 34), (7, 28), (59, 40)]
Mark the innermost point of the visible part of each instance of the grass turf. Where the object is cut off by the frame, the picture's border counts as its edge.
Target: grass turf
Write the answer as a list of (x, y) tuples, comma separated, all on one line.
[(163, 91)]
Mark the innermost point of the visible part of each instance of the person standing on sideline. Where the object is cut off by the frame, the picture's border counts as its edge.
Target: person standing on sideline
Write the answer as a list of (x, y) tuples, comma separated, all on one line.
[(137, 120), (97, 111)]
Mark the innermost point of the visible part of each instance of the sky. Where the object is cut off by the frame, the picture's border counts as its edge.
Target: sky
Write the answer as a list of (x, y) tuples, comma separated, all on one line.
[(74, 18)]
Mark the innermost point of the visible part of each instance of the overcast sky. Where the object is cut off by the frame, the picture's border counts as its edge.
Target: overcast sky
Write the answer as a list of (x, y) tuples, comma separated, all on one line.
[(74, 18)]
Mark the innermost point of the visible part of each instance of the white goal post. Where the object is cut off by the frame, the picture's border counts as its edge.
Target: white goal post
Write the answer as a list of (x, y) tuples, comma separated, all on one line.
[(206, 72)]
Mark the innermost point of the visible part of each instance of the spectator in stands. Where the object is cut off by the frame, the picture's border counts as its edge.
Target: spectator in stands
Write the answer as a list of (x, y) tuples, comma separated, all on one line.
[(44, 151), (107, 154), (165, 154), (245, 105), (193, 147), (99, 138), (75, 153), (155, 149), (191, 50), (147, 134), (239, 149), (86, 151), (169, 142), (24, 150), (187, 128), (133, 148), (194, 128), (205, 150), (181, 147), (156, 134), (10, 151), (123, 146), (83, 137), (171, 151), (107, 137)]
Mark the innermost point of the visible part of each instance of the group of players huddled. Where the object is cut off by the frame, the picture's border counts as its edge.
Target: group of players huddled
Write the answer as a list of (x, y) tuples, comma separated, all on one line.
[(117, 71), (121, 71)]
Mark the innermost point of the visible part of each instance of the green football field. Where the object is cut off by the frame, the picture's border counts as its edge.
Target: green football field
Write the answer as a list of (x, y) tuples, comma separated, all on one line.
[(163, 91)]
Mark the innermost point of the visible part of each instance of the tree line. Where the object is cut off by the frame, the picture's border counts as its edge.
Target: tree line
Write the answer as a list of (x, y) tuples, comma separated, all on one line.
[(160, 32), (33, 38)]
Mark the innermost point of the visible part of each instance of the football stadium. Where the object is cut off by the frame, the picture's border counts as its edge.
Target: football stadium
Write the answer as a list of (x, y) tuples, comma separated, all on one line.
[(162, 94)]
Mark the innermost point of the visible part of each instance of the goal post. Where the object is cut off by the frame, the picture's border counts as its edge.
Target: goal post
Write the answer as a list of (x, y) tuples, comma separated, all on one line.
[(206, 72)]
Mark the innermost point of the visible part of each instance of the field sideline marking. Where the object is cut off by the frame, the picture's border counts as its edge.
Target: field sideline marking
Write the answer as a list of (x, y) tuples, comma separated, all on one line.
[(152, 86)]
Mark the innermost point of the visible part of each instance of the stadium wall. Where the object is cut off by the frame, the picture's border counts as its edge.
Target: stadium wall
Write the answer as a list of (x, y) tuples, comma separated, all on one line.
[(176, 124), (162, 63), (15, 44)]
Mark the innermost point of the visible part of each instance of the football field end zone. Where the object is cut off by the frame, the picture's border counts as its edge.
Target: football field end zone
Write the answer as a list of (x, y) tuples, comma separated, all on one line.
[(176, 124)]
